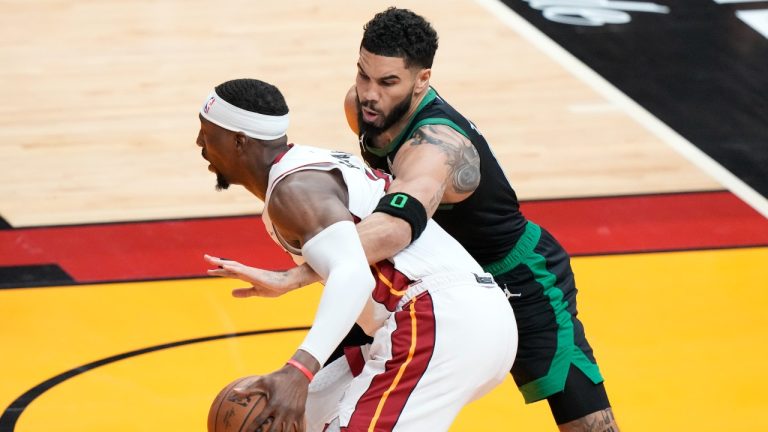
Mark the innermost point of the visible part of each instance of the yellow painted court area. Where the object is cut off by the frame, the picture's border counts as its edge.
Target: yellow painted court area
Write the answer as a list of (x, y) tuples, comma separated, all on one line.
[(680, 338)]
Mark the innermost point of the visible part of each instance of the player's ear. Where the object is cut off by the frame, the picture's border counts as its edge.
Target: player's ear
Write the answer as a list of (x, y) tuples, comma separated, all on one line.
[(240, 140), (422, 80)]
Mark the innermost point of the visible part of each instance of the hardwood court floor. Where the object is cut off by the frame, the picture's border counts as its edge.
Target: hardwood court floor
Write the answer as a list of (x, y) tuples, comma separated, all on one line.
[(105, 96), (106, 207)]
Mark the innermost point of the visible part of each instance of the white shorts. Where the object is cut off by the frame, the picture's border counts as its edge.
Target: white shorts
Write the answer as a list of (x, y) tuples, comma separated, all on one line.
[(452, 338)]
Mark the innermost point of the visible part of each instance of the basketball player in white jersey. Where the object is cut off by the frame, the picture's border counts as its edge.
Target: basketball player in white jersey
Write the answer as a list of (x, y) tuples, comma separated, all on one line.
[(435, 317)]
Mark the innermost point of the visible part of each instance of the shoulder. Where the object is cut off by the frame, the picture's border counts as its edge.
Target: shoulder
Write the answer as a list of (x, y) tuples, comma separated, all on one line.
[(440, 134), (437, 144), (448, 154), (305, 202)]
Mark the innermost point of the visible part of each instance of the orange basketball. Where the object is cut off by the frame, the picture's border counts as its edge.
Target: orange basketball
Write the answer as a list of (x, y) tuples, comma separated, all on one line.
[(230, 411), (350, 110)]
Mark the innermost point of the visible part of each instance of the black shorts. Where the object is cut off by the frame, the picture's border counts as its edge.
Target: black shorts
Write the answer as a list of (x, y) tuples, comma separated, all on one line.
[(539, 283)]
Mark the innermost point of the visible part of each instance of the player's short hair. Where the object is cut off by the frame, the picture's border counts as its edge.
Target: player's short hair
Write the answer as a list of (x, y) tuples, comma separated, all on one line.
[(253, 95), (401, 33)]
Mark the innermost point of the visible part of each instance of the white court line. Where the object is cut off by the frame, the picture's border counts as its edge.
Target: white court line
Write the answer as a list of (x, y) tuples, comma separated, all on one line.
[(755, 18), (737, 1), (632, 108)]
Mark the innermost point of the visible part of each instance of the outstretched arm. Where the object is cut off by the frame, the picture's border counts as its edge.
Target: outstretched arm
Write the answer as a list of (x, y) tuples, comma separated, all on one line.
[(264, 283), (269, 283), (437, 165)]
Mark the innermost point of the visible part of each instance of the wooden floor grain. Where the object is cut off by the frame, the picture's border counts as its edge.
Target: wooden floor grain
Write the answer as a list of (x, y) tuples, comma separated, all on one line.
[(99, 118)]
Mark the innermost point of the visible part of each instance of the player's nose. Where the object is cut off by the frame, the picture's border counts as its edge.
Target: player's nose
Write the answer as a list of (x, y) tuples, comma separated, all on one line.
[(368, 96)]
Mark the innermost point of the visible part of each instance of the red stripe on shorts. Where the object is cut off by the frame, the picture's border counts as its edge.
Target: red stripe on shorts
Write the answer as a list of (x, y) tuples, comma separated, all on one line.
[(355, 359), (413, 343), (390, 284)]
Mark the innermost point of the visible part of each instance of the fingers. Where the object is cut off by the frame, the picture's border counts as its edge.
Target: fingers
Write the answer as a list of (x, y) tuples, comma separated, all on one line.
[(285, 423), (299, 425), (263, 422), (255, 292), (249, 391), (220, 272), (219, 262), (264, 283), (212, 260), (224, 268), (272, 425), (258, 425), (276, 419), (244, 292)]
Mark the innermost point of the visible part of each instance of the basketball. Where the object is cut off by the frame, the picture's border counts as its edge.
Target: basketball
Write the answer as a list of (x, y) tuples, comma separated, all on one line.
[(350, 110), (229, 411)]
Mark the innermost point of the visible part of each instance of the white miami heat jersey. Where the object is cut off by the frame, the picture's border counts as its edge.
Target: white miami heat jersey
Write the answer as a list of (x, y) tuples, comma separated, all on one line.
[(433, 252)]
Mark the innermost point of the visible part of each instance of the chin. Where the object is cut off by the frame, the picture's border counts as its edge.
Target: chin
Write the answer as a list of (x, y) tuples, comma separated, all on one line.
[(221, 182)]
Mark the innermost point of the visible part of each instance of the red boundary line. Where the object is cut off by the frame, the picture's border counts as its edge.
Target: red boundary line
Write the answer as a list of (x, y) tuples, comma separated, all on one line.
[(585, 226)]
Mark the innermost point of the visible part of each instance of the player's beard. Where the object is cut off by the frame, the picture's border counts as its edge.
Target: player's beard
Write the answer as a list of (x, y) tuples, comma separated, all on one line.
[(221, 182), (398, 111)]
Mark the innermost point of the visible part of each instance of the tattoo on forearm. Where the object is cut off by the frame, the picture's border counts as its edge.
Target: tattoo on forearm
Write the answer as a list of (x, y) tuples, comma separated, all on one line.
[(601, 421), (434, 202), (608, 417), (463, 159)]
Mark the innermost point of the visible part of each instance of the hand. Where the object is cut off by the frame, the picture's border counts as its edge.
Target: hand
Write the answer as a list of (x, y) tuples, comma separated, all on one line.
[(264, 283), (286, 392)]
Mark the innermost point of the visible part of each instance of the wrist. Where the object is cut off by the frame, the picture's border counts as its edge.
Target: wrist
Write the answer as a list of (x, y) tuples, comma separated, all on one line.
[(301, 368), (306, 275)]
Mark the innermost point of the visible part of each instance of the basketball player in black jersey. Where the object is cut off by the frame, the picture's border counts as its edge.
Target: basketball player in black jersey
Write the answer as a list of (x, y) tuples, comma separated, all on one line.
[(443, 162)]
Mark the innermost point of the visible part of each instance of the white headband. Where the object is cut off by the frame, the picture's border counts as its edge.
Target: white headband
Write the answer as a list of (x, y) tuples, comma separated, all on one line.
[(260, 126)]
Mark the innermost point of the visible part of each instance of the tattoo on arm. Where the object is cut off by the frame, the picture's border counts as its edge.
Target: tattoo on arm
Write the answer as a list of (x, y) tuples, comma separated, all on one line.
[(600, 421), (434, 202), (463, 159)]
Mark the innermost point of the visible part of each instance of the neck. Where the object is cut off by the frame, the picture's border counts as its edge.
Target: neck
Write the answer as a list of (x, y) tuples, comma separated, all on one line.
[(259, 167)]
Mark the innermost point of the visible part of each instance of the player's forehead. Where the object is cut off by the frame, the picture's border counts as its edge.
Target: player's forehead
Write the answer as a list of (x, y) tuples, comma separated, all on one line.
[(211, 129), (207, 124), (378, 66)]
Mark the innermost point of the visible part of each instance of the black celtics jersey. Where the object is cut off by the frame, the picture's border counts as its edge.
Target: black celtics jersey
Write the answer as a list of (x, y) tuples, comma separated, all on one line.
[(489, 222)]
